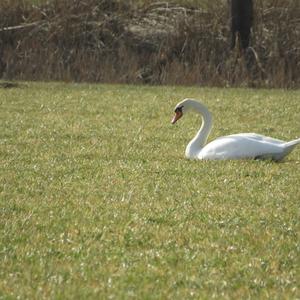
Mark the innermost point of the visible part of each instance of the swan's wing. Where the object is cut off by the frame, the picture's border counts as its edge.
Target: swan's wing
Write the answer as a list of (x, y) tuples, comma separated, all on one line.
[(257, 137), (241, 146)]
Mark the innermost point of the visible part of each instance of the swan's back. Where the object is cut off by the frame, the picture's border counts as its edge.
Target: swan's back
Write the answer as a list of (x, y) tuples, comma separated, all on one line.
[(258, 137)]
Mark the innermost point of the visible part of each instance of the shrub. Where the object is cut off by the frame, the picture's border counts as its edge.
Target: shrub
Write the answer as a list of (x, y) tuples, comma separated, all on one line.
[(160, 43)]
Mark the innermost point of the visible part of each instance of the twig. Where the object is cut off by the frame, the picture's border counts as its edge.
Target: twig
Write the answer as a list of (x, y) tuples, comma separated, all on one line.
[(21, 26)]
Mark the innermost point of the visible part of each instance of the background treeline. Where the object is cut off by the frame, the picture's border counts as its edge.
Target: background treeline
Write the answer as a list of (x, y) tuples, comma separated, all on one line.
[(148, 42)]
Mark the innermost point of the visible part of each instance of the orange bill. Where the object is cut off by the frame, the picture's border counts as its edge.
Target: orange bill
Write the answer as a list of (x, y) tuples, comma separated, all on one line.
[(176, 117)]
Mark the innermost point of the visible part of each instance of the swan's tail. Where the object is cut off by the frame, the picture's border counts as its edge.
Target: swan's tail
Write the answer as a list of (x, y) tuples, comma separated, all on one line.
[(288, 147), (292, 143)]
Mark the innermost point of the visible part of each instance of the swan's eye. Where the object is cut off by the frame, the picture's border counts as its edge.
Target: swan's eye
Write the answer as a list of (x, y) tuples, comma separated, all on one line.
[(178, 109)]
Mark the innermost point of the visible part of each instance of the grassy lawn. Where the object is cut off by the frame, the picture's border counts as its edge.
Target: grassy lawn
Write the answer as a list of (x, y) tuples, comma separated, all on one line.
[(98, 202)]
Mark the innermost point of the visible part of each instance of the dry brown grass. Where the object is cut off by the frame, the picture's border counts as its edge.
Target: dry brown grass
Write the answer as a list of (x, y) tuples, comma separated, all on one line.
[(110, 41)]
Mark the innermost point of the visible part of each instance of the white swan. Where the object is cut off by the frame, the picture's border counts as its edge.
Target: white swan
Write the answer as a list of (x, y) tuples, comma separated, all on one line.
[(236, 146)]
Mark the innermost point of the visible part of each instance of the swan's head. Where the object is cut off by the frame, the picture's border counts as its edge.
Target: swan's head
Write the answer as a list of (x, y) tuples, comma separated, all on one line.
[(182, 107)]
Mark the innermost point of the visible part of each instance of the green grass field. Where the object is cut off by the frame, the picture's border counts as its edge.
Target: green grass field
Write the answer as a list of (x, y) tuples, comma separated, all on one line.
[(98, 202)]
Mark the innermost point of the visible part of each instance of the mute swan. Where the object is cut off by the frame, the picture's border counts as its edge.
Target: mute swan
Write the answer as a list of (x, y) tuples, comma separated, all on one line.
[(236, 146)]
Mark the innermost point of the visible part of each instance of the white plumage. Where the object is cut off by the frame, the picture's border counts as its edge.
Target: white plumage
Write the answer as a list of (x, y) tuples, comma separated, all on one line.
[(236, 146)]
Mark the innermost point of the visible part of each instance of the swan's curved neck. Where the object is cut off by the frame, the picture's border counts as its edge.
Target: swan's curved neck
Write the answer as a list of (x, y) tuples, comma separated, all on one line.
[(199, 141)]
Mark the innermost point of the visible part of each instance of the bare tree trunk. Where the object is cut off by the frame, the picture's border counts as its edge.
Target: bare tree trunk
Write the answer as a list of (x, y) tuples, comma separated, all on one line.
[(241, 22)]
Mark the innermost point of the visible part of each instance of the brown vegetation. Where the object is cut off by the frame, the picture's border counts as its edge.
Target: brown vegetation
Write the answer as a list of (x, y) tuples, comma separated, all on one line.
[(160, 43)]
